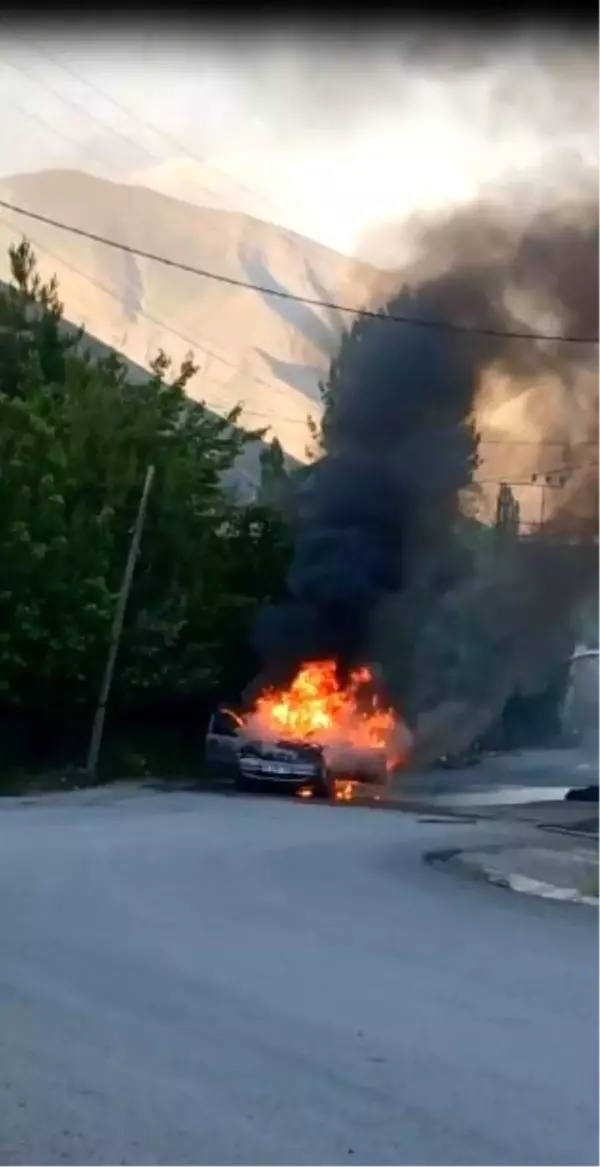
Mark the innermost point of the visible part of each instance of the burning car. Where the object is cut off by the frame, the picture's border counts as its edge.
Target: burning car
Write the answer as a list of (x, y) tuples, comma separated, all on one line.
[(251, 762), (316, 737)]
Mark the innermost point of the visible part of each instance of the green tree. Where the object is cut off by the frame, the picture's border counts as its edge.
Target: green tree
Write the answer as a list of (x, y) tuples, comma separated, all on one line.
[(76, 437)]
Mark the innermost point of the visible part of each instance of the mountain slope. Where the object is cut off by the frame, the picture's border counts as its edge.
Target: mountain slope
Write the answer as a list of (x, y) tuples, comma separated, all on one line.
[(265, 352), (200, 183)]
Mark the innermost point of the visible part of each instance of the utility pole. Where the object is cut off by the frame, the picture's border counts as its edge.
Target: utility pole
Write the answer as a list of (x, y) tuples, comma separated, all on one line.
[(117, 628), (508, 511)]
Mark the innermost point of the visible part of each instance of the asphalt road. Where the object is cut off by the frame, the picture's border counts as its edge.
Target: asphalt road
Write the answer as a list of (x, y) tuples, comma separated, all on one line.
[(528, 771), (197, 979)]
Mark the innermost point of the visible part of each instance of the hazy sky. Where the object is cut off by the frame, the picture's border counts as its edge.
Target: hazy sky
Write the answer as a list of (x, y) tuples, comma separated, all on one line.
[(323, 138)]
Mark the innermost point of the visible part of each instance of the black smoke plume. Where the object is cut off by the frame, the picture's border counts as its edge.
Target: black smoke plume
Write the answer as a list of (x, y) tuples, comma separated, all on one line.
[(399, 442)]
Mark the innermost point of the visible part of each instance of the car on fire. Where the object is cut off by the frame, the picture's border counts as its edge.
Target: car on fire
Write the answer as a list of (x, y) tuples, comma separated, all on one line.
[(231, 752)]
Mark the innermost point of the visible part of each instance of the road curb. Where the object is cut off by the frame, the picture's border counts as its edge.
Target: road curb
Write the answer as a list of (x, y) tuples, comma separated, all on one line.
[(478, 865)]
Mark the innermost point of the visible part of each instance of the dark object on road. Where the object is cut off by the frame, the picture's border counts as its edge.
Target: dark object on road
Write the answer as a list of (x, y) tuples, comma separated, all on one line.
[(252, 764), (582, 794), (468, 757)]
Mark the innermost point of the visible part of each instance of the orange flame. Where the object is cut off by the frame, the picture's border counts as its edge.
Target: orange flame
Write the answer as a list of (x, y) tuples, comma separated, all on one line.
[(317, 708)]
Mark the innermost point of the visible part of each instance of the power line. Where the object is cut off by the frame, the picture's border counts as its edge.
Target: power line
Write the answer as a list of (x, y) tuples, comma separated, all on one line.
[(82, 111), (207, 351), (539, 481), (217, 407), (45, 125), (530, 442), (556, 478), (198, 345), (143, 121), (134, 142), (297, 421), (279, 293), (85, 112)]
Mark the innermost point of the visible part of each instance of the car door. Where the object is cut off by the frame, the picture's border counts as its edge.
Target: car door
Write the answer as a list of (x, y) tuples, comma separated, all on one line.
[(223, 740)]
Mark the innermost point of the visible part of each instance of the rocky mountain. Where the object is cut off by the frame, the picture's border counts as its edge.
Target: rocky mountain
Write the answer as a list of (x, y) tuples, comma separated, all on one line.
[(192, 181), (264, 351)]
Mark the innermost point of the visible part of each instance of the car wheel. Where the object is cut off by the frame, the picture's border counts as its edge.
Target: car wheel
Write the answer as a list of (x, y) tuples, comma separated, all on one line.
[(325, 788)]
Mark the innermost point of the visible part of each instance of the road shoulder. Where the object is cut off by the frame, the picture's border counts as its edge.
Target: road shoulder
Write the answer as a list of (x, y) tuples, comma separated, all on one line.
[(562, 867)]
